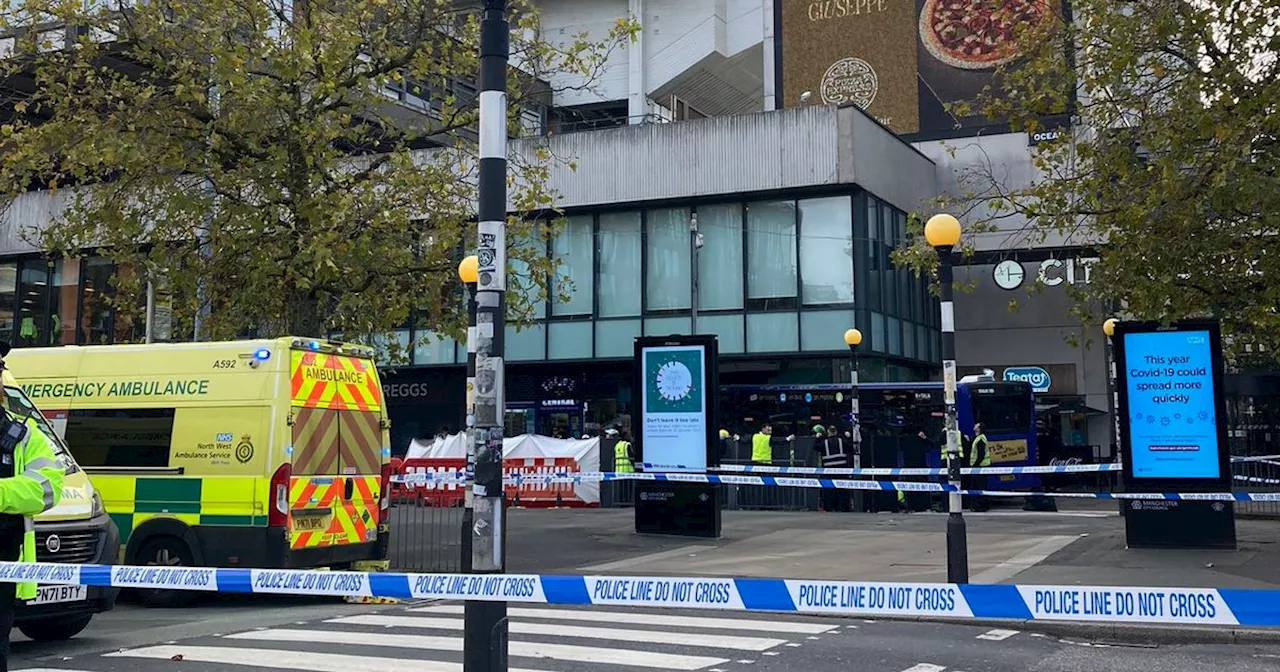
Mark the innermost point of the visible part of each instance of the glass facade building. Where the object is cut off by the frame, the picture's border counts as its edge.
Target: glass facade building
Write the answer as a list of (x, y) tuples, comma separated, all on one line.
[(778, 279)]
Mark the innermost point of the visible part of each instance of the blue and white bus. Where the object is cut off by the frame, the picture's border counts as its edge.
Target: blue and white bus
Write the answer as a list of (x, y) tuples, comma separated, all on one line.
[(892, 415)]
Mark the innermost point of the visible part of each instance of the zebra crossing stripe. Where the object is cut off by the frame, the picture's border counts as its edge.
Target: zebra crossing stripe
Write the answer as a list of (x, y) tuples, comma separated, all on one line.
[(284, 659), (522, 649), (582, 632)]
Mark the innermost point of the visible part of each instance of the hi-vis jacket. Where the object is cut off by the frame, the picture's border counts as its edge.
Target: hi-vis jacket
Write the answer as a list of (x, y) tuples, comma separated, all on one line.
[(35, 488)]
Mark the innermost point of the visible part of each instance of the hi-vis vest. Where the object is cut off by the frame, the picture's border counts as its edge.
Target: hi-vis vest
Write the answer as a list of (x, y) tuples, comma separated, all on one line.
[(622, 457), (833, 452), (980, 439), (761, 451), (35, 488)]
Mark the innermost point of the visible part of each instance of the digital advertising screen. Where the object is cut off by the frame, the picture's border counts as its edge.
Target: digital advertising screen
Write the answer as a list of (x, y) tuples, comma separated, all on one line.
[(674, 403), (1169, 380)]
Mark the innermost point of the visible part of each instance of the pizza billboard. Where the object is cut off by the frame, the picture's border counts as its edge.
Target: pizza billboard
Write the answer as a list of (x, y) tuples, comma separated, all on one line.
[(901, 60)]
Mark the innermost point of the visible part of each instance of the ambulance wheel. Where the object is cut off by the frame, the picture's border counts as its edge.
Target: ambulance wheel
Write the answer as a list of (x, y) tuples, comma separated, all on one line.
[(165, 552), (55, 629)]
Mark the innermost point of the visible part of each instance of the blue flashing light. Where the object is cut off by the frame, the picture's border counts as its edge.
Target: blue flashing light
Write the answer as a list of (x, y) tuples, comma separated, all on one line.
[(314, 345), (262, 354)]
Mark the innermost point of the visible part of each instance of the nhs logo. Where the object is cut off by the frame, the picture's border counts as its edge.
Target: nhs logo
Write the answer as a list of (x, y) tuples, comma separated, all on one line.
[(1037, 377)]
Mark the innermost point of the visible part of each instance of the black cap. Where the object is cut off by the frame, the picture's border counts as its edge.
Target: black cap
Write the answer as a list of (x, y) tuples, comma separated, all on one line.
[(4, 349)]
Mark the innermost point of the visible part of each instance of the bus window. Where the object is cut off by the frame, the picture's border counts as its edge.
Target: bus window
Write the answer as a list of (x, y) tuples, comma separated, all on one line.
[(1004, 410)]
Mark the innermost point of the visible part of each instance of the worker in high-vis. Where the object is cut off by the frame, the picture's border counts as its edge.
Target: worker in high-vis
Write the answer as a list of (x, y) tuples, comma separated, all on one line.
[(30, 484), (978, 456), (762, 445), (622, 456)]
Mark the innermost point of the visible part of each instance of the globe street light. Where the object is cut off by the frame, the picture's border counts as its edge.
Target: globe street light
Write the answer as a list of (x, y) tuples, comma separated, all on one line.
[(942, 232), (1113, 399), (853, 338)]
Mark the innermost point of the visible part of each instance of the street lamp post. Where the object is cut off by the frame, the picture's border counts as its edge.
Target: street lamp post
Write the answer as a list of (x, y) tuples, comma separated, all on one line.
[(469, 274), (853, 338), (485, 623), (1113, 400), (942, 231)]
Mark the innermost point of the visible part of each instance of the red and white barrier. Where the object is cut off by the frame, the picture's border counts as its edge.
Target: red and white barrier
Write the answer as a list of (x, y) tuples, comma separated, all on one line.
[(526, 455)]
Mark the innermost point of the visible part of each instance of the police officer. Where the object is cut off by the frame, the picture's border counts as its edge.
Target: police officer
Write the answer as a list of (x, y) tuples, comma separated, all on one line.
[(835, 455), (30, 484)]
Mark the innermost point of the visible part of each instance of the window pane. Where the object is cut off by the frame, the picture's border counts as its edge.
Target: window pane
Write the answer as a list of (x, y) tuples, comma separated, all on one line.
[(878, 342), (33, 304), (771, 250), (527, 344), (825, 330), (909, 340), (569, 340), (66, 282), (129, 325), (666, 326), (871, 254), (8, 297), (162, 318), (121, 437), (826, 250), (727, 328), (520, 281), (894, 327), (95, 321), (773, 332), (720, 259), (432, 348), (571, 248), (668, 272), (620, 264), (616, 338), (391, 348)]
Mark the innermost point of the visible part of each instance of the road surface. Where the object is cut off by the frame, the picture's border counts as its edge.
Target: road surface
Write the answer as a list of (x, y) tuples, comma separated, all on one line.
[(427, 637)]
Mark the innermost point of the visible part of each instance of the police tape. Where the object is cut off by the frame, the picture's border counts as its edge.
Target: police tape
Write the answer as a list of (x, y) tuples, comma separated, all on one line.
[(1256, 458), (904, 471), (423, 479), (1257, 479), (1180, 606)]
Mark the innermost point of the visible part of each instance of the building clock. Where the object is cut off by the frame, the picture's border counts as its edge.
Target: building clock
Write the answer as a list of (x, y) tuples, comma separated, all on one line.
[(1009, 274)]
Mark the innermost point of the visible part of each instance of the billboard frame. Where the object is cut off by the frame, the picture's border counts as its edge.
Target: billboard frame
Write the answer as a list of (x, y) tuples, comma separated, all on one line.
[(1217, 362)]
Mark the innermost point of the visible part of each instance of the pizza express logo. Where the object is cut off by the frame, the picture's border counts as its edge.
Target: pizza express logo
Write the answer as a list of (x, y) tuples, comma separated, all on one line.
[(850, 80)]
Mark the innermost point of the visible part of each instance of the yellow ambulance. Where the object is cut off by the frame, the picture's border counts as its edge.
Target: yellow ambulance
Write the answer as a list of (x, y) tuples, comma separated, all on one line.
[(76, 531), (267, 453)]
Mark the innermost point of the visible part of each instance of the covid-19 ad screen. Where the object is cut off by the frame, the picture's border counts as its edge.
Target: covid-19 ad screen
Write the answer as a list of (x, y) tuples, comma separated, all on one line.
[(1169, 383)]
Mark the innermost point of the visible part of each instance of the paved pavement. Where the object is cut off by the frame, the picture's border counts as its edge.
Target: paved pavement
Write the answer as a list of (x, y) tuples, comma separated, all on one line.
[(428, 638), (1005, 546)]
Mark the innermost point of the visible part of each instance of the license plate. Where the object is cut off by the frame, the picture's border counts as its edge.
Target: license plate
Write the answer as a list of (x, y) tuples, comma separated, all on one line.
[(55, 594), (310, 523)]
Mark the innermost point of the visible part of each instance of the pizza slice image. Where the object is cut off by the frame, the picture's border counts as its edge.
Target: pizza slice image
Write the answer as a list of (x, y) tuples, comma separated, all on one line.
[(977, 34)]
